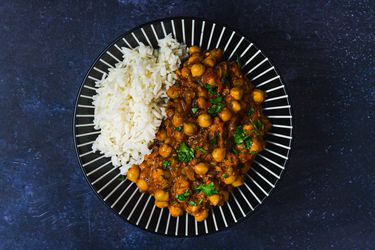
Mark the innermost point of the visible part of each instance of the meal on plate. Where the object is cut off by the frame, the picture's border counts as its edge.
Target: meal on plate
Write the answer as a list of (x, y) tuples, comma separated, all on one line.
[(200, 125)]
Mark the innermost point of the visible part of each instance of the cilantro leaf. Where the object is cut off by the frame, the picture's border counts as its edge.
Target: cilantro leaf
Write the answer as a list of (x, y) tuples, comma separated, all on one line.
[(185, 153), (166, 164), (217, 100), (215, 108), (251, 111), (183, 196), (212, 90), (179, 128), (200, 201), (208, 189), (201, 149), (226, 175), (239, 136), (238, 60), (194, 110), (192, 203), (253, 152)]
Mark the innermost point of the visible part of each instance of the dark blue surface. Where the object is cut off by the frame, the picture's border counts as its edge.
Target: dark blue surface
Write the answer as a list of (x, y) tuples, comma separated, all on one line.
[(324, 51)]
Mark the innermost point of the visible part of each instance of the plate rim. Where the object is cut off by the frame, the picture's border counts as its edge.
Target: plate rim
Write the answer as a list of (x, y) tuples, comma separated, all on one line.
[(103, 51)]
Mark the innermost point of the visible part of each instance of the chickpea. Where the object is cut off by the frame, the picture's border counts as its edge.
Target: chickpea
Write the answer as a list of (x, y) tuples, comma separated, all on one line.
[(209, 77), (142, 185), (177, 120), (161, 135), (217, 53), (218, 154), (258, 96), (214, 199), (201, 168), (230, 179), (238, 182), (179, 136), (201, 216), (161, 195), (209, 62), (257, 145), (204, 120), (202, 103), (185, 72), (197, 70), (192, 209), (194, 49), (165, 150), (235, 105), (202, 92), (157, 173), (170, 112), (248, 128), (236, 93), (225, 114), (190, 129), (161, 204), (173, 92), (195, 58), (175, 210), (133, 173)]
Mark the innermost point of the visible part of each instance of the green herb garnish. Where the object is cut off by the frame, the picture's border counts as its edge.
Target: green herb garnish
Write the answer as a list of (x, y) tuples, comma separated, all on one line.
[(215, 109), (217, 100), (179, 128), (214, 140), (185, 153), (121, 177), (182, 197), (200, 201), (253, 152), (235, 151), (251, 111), (201, 149), (224, 77), (166, 164), (239, 136), (238, 60), (208, 189), (194, 110), (212, 90), (192, 203), (226, 175)]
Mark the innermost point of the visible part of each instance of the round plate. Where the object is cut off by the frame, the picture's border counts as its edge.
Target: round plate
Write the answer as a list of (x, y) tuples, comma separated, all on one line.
[(122, 196)]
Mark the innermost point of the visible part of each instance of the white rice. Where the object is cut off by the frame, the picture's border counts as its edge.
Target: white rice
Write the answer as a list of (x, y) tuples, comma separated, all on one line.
[(129, 104)]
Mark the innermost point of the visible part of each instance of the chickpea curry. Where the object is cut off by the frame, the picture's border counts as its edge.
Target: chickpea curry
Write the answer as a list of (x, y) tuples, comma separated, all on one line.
[(213, 130)]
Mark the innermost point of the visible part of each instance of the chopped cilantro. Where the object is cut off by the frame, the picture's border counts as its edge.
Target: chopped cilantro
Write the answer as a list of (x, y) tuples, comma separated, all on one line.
[(208, 189), (166, 164), (226, 175), (192, 203), (238, 60), (185, 153), (212, 90), (214, 140), (179, 128), (251, 111), (239, 136), (182, 197), (194, 110), (235, 151), (253, 152), (215, 108), (217, 100), (224, 77), (200, 201), (201, 149)]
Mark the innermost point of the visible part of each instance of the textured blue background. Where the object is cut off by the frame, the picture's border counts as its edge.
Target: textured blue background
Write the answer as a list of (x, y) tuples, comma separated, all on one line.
[(323, 49)]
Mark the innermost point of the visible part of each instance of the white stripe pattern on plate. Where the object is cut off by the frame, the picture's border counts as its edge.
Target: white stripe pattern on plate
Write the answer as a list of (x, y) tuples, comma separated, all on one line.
[(89, 87), (186, 225), (245, 198), (238, 204), (127, 202), (154, 31), (167, 226), (278, 144), (87, 153), (99, 70), (196, 227), (222, 215), (145, 35), (277, 107), (210, 38), (183, 30), (269, 80), (251, 191), (273, 89), (111, 55), (85, 96), (202, 31), (136, 205), (279, 135), (136, 39), (118, 48), (282, 126), (244, 52), (192, 31), (231, 211), (109, 65), (143, 210), (257, 66), (214, 219), (79, 115), (127, 43), (250, 59), (163, 28), (275, 153), (221, 35), (149, 218), (92, 161), (177, 222), (93, 78), (263, 178), (157, 225), (269, 171), (122, 194), (279, 116), (86, 106), (230, 39), (276, 98), (85, 144), (86, 134), (271, 161), (263, 73), (256, 184), (234, 50), (104, 175), (173, 29), (85, 125), (106, 185), (205, 226), (98, 168)]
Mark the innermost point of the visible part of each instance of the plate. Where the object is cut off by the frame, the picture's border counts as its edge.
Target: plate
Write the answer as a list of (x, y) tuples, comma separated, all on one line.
[(122, 196)]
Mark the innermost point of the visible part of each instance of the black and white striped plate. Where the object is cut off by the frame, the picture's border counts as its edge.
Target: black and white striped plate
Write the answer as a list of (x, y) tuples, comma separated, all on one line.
[(138, 208)]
